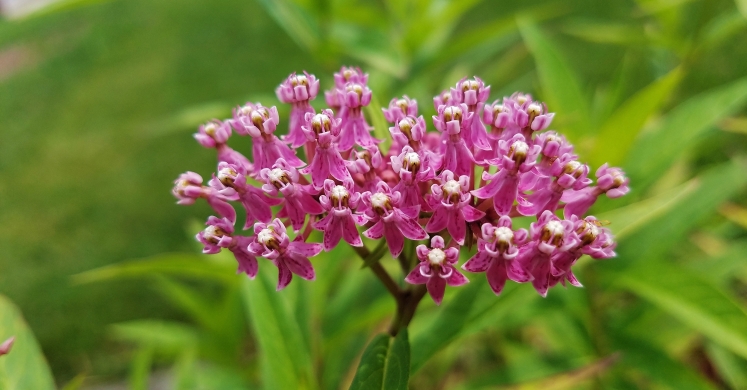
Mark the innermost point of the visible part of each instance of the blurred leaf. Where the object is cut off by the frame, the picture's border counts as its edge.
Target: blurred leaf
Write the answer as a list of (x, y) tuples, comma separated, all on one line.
[(568, 380), (380, 126), (24, 367), (560, 86), (618, 133), (297, 22), (734, 213), (659, 235), (75, 383), (385, 364), (729, 366), (723, 268), (657, 366), (180, 264), (691, 300), (166, 336), (188, 118), (653, 152), (140, 368), (742, 7), (197, 307), (285, 360), (605, 31), (628, 219), (734, 125), (451, 319)]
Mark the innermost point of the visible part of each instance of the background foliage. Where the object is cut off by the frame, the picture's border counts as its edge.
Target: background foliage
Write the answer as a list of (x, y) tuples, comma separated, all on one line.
[(98, 100)]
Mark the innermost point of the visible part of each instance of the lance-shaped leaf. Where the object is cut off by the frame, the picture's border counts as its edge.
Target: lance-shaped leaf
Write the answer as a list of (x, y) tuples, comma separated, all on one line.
[(560, 85), (385, 364), (24, 367)]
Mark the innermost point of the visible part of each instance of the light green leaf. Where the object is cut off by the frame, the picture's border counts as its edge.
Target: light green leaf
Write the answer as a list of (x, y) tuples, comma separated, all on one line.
[(731, 368), (285, 361), (166, 336), (75, 383), (140, 368), (561, 87), (453, 316), (570, 379), (24, 367), (385, 364), (297, 22), (621, 129), (381, 129), (179, 264), (692, 300), (742, 7), (684, 125)]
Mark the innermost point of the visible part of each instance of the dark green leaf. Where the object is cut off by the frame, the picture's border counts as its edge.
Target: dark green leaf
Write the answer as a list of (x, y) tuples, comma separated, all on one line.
[(385, 364), (24, 367), (296, 21)]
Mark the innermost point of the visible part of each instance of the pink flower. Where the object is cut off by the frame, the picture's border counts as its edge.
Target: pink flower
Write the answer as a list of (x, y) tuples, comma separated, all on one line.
[(260, 123), (517, 158), (412, 169), (322, 129), (389, 220), (297, 90), (550, 236), (188, 188), (400, 108), (436, 269), (219, 235), (499, 120), (531, 116), (254, 200), (349, 74), (354, 130), (610, 181), (568, 173), (451, 122), (450, 201), (283, 178), (365, 165), (291, 257), (7, 345), (444, 99), (339, 201), (474, 94), (593, 240), (496, 253), (214, 135)]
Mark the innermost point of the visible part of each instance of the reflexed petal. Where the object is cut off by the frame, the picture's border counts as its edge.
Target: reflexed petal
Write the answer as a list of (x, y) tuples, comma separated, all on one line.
[(497, 276), (350, 232), (478, 263), (247, 263), (516, 272), (438, 220), (304, 248), (416, 277), (394, 239), (411, 229), (457, 227), (284, 276), (456, 279), (300, 265), (376, 231), (436, 287)]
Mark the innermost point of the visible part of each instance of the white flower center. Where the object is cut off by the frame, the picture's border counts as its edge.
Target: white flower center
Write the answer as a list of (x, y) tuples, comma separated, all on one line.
[(503, 234), (555, 228), (436, 256), (379, 200), (452, 113), (213, 232), (226, 173), (276, 175), (266, 236), (246, 110), (339, 192), (210, 129), (520, 148), (452, 187), (534, 109)]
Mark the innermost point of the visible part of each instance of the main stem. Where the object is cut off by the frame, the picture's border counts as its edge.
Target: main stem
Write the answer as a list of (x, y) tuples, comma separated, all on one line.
[(407, 299)]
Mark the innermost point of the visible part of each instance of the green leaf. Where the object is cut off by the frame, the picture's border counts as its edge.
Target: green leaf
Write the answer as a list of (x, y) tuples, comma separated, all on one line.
[(560, 85), (24, 367), (285, 361), (297, 22), (692, 300), (570, 379), (659, 235), (684, 125), (729, 366), (742, 7), (385, 364), (197, 266), (166, 336), (619, 132), (452, 317), (140, 368), (381, 129)]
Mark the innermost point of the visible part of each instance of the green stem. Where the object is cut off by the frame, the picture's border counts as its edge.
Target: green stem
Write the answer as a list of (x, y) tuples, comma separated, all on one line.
[(378, 270)]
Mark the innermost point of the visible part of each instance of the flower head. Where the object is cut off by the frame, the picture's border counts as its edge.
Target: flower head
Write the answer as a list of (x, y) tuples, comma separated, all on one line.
[(298, 88), (219, 234), (436, 269)]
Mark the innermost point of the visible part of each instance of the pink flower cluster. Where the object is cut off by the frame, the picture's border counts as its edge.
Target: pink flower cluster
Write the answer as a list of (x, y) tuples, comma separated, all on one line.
[(425, 187)]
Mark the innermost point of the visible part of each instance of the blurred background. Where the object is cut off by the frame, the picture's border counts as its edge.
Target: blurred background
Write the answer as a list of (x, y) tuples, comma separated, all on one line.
[(98, 101)]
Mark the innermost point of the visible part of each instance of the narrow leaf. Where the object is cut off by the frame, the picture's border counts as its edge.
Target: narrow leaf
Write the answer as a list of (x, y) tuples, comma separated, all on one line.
[(684, 125), (296, 21), (453, 316), (560, 85), (285, 360), (692, 300), (621, 129), (24, 367), (397, 370), (380, 127), (571, 379)]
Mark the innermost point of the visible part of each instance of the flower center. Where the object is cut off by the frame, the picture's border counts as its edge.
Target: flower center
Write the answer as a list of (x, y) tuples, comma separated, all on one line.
[(436, 256), (411, 162), (210, 129), (452, 187), (278, 177), (268, 238), (553, 233), (321, 123), (259, 116), (227, 175), (452, 113), (213, 234), (339, 196), (503, 234), (299, 80), (355, 87), (380, 202), (470, 84)]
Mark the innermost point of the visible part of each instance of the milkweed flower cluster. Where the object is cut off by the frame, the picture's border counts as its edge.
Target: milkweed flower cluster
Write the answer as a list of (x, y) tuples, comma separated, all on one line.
[(328, 173)]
